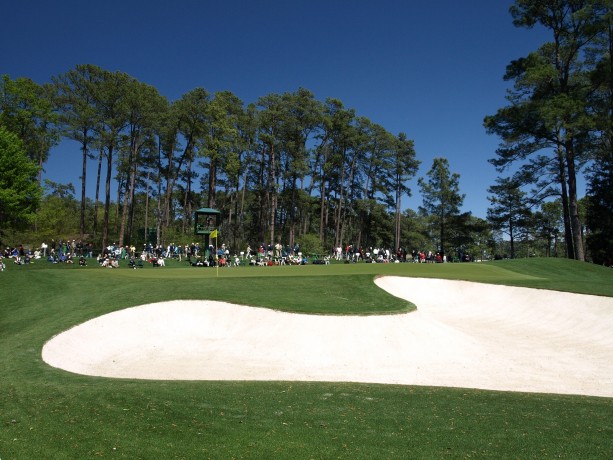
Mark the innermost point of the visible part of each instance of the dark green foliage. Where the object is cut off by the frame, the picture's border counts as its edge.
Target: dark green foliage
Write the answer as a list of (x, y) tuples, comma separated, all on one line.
[(19, 189), (27, 110), (599, 217)]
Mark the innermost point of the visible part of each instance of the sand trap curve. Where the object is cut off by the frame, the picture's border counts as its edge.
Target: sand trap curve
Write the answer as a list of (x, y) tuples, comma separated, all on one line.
[(462, 335)]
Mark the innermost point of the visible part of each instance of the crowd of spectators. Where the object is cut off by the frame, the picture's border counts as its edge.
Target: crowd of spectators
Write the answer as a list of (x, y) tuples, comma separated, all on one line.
[(69, 251), (19, 255), (356, 253), (55, 252)]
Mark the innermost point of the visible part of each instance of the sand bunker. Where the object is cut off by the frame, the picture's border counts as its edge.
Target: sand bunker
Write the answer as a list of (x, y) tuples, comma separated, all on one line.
[(462, 335)]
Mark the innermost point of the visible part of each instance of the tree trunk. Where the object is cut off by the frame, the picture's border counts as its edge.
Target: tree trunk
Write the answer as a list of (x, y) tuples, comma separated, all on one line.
[(242, 206), (146, 232), (170, 184), (322, 212), (338, 239), (158, 223), (168, 194), (397, 216), (211, 202), (263, 196), (97, 199), (573, 207), (131, 210), (273, 193), (107, 197), (443, 232), (322, 191), (292, 211), (129, 193), (568, 234), (83, 186), (187, 196), (120, 187)]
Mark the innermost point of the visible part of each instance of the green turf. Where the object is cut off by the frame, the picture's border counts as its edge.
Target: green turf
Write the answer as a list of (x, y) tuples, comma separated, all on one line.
[(48, 413)]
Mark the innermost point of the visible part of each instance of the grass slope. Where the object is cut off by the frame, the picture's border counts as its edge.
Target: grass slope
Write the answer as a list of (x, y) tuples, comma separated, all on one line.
[(48, 413)]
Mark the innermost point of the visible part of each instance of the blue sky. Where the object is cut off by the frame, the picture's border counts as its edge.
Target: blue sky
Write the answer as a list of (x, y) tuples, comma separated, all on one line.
[(430, 69)]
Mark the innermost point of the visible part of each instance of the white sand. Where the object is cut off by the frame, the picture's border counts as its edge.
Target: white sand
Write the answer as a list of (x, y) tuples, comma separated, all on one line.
[(462, 335)]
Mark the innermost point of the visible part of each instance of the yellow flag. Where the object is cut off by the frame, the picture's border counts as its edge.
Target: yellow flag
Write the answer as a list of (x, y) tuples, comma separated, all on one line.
[(214, 234)]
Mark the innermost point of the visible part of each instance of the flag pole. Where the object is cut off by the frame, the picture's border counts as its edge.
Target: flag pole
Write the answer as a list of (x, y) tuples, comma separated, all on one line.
[(214, 235)]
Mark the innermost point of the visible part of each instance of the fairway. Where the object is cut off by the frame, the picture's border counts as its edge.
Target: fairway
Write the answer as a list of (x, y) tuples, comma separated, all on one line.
[(48, 412)]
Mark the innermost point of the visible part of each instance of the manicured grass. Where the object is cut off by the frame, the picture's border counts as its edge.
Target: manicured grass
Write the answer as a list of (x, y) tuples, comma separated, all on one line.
[(561, 275), (48, 413)]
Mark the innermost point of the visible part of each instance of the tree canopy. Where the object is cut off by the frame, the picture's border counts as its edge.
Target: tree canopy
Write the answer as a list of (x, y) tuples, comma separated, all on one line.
[(19, 189)]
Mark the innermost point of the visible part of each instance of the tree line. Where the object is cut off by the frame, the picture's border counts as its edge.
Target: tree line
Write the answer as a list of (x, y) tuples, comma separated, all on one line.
[(289, 167), (283, 167)]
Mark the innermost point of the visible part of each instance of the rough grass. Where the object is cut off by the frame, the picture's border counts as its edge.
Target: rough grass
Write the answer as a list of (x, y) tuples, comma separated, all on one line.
[(48, 413)]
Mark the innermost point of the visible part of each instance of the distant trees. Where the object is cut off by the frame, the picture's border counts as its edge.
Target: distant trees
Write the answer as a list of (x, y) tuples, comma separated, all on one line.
[(442, 200), (58, 211), (548, 223), (404, 164), (509, 211), (279, 169)]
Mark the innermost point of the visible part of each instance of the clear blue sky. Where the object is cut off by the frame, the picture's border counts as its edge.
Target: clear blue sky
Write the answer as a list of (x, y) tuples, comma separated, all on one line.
[(430, 69)]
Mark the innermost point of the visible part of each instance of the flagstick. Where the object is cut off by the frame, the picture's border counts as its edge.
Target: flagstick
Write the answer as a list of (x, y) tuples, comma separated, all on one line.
[(216, 259)]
